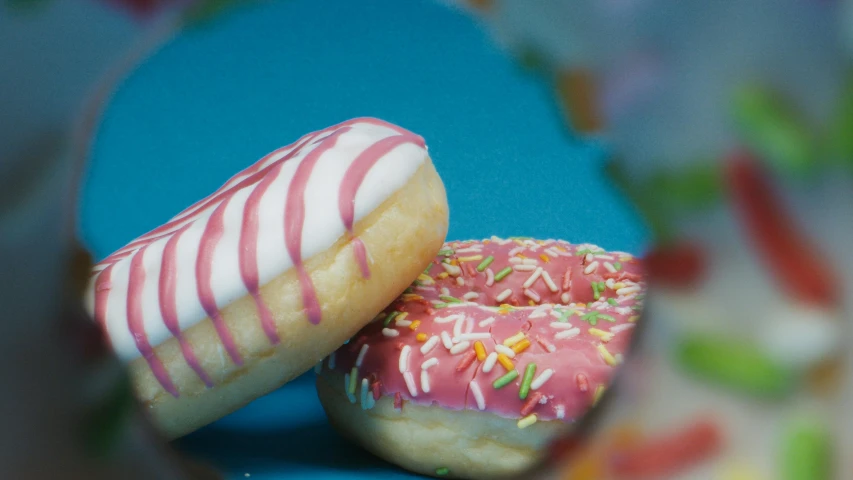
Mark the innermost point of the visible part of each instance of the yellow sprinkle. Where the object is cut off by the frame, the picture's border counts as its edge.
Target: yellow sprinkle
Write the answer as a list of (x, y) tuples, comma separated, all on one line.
[(421, 337), (634, 318), (604, 336), (520, 255), (540, 242), (514, 339), (415, 325), (618, 285), (506, 362), (527, 421), (443, 275), (519, 242), (411, 297), (480, 350), (401, 316), (608, 358), (454, 262), (561, 249), (425, 279), (504, 309), (472, 258), (521, 346), (599, 392), (531, 303), (544, 258)]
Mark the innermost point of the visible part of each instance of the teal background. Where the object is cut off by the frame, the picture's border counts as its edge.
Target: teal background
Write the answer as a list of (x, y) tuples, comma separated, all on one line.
[(220, 96)]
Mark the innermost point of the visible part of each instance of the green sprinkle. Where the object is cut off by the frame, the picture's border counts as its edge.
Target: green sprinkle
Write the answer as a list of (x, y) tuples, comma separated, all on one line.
[(439, 305), (529, 371), (503, 273), (504, 381), (565, 314), (418, 283), (449, 299), (426, 272), (408, 290), (596, 293), (612, 301), (353, 380), (617, 266), (640, 296), (807, 453), (583, 252), (391, 316), (442, 471), (735, 364), (446, 252), (485, 263), (636, 308), (606, 317), (591, 317)]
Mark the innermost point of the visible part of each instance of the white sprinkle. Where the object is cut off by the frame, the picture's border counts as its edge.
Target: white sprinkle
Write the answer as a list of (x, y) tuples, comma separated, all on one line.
[(448, 319), (425, 381), (573, 332), (560, 411), (540, 311), (470, 296), (457, 328), (459, 348), (588, 258), (505, 350), (390, 332), (561, 325), (453, 270), (530, 261), (474, 336), (524, 268), (610, 283), (628, 290), (555, 313), (422, 288), (541, 379), (410, 383), (621, 328), (361, 355), (478, 394), (469, 325), (404, 358), (318, 368), (590, 268), (609, 266), (516, 261), (515, 251), (532, 278), (332, 361), (446, 340), (487, 322), (549, 347), (460, 281), (532, 295), (549, 282), (429, 345), (490, 277), (402, 323), (623, 310), (445, 291), (604, 257), (565, 297), (503, 295), (476, 249), (429, 363), (490, 361)]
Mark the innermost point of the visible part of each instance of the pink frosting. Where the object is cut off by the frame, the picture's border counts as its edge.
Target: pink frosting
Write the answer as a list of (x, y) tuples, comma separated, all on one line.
[(574, 304)]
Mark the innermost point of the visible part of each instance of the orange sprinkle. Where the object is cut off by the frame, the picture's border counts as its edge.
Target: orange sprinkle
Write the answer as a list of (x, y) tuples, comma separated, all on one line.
[(544, 258), (519, 255), (561, 249), (421, 337), (531, 303), (576, 91), (415, 325), (506, 362), (480, 349), (521, 346)]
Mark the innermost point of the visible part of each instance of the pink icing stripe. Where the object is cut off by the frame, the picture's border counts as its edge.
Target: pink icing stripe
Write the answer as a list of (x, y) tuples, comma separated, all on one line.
[(361, 257), (102, 295), (136, 325), (204, 273), (169, 308), (353, 179), (295, 221), (248, 255)]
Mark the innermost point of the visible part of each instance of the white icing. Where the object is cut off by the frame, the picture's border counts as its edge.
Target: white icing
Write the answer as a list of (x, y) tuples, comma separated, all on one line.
[(322, 228)]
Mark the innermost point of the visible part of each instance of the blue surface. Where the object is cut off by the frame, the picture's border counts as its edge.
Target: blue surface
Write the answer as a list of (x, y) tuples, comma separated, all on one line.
[(216, 99)]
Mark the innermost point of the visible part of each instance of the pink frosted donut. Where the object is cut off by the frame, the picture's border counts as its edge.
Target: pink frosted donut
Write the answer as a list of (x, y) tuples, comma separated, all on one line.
[(494, 348), (255, 283)]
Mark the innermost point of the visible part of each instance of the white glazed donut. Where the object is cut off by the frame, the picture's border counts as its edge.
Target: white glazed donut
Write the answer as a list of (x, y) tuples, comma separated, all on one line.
[(254, 284)]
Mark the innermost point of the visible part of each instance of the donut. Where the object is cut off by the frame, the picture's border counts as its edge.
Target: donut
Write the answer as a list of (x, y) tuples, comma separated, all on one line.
[(497, 347), (257, 282)]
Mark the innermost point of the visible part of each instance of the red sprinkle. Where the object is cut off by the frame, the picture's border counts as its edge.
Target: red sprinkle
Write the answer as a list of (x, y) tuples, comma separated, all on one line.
[(567, 279), (466, 361), (374, 387), (398, 401), (471, 271), (583, 383), (356, 345), (514, 302), (399, 345), (665, 456), (530, 404), (789, 255), (676, 266)]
